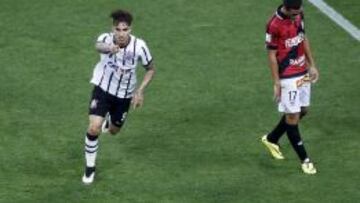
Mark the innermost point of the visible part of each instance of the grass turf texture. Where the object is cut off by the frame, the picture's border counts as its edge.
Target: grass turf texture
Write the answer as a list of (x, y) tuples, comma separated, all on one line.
[(197, 137)]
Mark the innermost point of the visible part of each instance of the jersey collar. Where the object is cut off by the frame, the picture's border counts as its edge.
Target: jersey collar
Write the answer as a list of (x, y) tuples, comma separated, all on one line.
[(281, 14)]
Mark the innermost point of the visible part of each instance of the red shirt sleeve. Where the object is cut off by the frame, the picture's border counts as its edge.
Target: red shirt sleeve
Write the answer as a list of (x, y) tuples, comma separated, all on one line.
[(272, 36)]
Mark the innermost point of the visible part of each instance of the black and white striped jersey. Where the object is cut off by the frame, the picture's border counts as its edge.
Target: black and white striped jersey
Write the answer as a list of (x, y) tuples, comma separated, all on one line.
[(116, 73)]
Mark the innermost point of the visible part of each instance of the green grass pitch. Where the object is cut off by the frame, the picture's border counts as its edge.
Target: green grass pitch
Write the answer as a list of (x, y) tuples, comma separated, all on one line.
[(196, 140)]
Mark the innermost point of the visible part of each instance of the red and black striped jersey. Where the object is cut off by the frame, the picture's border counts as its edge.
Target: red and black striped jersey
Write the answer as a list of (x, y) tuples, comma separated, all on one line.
[(286, 35)]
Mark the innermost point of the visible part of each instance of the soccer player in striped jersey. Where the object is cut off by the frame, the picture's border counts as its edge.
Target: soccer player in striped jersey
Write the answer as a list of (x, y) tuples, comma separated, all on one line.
[(114, 80), (293, 69)]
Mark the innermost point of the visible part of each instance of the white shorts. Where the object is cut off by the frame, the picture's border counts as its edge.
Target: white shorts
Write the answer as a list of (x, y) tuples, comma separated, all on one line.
[(295, 93)]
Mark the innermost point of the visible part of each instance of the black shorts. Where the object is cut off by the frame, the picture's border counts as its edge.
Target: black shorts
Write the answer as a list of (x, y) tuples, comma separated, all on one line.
[(102, 103)]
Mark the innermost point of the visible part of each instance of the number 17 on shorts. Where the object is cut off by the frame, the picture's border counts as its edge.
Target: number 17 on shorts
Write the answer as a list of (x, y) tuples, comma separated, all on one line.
[(293, 97)]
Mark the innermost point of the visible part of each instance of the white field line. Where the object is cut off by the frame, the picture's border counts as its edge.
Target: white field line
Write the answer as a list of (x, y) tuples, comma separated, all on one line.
[(337, 18)]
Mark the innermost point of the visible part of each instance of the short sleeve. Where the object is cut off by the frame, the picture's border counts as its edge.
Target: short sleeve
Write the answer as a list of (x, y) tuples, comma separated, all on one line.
[(271, 37), (145, 54)]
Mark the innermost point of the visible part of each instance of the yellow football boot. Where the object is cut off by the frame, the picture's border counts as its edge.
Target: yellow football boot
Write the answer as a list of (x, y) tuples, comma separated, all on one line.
[(273, 148), (308, 168)]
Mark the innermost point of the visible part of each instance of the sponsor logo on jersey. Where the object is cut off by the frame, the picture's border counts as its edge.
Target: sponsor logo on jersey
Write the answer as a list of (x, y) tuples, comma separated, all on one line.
[(300, 61), (292, 42)]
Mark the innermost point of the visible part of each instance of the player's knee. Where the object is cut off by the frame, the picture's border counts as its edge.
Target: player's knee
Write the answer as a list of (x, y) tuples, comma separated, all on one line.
[(292, 119), (94, 129)]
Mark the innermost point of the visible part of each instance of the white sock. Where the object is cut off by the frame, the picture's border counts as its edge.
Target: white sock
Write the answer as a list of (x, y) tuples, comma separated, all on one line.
[(307, 160), (90, 151)]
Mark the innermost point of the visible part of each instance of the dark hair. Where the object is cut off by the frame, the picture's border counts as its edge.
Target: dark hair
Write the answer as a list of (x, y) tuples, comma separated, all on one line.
[(292, 4), (121, 16)]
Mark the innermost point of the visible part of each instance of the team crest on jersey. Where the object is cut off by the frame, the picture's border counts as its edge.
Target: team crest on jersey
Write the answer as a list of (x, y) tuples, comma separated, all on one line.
[(93, 104)]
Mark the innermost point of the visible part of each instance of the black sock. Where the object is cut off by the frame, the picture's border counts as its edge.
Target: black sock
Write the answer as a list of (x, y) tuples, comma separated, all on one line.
[(296, 142), (91, 137), (278, 131)]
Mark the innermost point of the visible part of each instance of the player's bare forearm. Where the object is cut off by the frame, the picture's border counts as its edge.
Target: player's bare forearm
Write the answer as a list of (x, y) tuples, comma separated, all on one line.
[(139, 94), (309, 58), (275, 74), (105, 48), (313, 71), (273, 65), (150, 72)]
